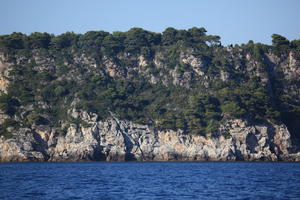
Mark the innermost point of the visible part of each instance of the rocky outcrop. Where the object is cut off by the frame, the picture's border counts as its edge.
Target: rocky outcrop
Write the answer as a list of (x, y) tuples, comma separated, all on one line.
[(68, 72), (196, 63), (27, 146), (4, 68), (119, 140)]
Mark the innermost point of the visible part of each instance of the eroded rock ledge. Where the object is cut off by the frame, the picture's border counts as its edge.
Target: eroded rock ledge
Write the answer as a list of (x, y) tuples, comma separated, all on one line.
[(119, 140)]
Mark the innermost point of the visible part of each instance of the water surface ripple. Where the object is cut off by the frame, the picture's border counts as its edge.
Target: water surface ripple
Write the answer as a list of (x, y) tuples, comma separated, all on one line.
[(150, 180)]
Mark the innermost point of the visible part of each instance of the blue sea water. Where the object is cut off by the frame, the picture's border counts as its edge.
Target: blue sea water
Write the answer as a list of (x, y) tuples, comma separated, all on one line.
[(150, 180)]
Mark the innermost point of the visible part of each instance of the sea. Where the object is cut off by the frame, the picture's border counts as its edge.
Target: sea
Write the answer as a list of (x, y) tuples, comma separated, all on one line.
[(150, 180)]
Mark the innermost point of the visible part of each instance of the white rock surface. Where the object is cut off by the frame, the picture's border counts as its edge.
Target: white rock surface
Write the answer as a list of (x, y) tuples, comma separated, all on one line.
[(119, 140)]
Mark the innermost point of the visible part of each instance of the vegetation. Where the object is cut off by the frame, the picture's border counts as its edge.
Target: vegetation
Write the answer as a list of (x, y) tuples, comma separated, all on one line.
[(50, 73)]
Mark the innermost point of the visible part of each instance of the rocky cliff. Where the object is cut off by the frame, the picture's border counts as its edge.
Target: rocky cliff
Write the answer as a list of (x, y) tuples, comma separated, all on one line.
[(139, 95), (120, 140)]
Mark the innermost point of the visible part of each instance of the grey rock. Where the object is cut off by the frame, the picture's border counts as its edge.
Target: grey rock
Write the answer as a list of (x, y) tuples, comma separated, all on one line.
[(120, 140)]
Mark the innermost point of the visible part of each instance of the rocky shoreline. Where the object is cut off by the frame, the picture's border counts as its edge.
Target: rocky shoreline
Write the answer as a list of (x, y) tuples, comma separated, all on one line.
[(120, 140)]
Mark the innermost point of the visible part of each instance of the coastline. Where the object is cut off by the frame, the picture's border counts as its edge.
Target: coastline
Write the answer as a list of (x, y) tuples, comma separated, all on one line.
[(119, 140)]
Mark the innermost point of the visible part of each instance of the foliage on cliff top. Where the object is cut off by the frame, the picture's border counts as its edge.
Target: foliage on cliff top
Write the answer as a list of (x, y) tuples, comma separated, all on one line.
[(46, 78)]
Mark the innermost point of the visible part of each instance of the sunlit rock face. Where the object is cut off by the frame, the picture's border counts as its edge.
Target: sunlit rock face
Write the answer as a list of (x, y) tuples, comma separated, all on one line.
[(120, 140)]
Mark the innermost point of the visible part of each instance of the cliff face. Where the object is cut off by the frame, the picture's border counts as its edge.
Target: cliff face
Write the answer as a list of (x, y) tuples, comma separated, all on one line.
[(145, 96), (119, 140)]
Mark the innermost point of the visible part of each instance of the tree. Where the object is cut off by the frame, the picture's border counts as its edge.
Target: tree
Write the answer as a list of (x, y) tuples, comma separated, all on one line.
[(197, 34), (13, 41), (295, 44), (112, 44), (136, 38), (64, 40), (280, 44), (258, 52), (232, 109), (169, 36), (278, 40), (39, 40), (213, 40), (91, 42)]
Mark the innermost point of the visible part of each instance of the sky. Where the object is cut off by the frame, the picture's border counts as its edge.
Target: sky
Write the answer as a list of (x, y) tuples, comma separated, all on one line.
[(236, 21)]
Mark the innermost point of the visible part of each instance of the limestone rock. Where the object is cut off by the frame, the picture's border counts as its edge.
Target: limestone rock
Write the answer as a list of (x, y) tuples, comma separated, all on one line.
[(120, 140), (193, 61)]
